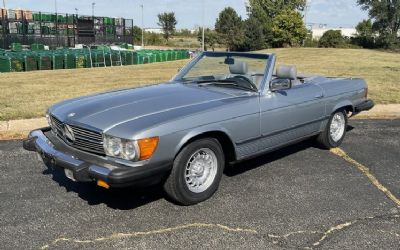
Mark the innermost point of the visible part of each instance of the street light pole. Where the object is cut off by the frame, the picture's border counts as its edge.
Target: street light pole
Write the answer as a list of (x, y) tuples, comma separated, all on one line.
[(142, 25), (4, 4), (76, 10), (203, 19)]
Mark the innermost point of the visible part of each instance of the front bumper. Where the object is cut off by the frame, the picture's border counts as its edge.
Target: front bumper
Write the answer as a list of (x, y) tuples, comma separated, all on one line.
[(364, 106), (87, 167)]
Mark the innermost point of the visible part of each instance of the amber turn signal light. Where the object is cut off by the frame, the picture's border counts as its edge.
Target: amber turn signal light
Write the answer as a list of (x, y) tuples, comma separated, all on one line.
[(147, 147), (103, 184)]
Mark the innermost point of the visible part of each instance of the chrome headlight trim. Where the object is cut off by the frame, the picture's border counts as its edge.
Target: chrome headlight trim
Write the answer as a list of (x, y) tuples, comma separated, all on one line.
[(121, 148)]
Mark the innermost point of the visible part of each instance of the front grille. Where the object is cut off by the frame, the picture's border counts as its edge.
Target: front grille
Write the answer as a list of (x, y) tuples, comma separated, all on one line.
[(85, 140)]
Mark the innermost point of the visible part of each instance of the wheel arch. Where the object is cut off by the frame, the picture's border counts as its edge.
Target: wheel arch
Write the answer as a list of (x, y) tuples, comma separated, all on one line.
[(222, 136), (343, 105)]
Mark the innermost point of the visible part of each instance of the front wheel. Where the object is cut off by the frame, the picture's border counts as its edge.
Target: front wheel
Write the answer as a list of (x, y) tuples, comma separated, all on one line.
[(196, 172), (335, 130)]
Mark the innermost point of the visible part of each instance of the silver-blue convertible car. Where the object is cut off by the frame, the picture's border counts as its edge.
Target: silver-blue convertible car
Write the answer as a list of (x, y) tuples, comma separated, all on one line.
[(222, 107)]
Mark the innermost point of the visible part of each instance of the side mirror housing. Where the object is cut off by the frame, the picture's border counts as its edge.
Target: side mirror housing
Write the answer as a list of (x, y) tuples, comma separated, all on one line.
[(280, 84)]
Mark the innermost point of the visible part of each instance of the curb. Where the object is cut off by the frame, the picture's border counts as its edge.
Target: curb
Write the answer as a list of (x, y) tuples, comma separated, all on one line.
[(20, 128)]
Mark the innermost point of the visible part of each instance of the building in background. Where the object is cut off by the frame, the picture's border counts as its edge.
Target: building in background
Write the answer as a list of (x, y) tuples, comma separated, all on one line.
[(319, 29)]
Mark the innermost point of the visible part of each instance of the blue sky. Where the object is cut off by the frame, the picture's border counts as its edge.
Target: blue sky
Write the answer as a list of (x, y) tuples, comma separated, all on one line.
[(332, 12)]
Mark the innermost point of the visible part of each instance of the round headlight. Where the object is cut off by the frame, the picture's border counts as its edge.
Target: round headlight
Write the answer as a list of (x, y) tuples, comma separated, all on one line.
[(130, 150), (113, 146)]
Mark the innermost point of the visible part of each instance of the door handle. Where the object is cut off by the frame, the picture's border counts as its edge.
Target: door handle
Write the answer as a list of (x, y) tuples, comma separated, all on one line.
[(319, 96)]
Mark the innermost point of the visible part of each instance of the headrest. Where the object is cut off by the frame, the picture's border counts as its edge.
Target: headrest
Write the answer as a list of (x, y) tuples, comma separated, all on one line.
[(286, 72), (239, 68)]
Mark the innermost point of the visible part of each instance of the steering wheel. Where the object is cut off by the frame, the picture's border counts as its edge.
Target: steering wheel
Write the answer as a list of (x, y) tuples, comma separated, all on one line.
[(247, 80)]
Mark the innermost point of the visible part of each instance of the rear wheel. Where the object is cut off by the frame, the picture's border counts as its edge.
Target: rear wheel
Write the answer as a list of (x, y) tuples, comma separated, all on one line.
[(196, 172), (335, 130)]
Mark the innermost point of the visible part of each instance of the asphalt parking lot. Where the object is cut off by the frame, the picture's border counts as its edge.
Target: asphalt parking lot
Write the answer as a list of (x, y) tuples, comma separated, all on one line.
[(297, 197)]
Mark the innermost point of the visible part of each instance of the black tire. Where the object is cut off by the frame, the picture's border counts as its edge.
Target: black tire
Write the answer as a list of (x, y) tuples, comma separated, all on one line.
[(175, 186), (325, 139)]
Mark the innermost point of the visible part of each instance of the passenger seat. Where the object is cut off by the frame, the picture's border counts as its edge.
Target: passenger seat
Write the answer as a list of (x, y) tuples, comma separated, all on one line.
[(287, 72)]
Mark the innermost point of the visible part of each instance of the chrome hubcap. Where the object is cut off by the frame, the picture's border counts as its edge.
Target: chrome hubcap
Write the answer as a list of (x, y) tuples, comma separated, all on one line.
[(337, 127), (201, 170)]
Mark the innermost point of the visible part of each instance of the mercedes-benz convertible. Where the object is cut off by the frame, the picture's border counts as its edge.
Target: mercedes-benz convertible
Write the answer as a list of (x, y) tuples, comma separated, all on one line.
[(221, 108)]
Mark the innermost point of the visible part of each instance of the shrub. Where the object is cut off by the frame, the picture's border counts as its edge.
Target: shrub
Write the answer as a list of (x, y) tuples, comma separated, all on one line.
[(332, 39)]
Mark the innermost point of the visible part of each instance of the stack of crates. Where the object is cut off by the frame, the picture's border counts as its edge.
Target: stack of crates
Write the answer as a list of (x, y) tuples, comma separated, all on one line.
[(37, 46), (44, 62), (57, 61), (16, 47), (30, 62), (10, 63)]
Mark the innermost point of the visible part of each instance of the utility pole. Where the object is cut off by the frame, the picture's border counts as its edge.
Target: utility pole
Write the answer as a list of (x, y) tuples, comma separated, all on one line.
[(204, 20), (306, 8), (4, 4), (142, 25), (57, 34), (93, 4), (76, 10)]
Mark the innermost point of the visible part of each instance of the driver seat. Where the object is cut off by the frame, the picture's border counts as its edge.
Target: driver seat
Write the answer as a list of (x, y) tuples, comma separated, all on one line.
[(239, 68)]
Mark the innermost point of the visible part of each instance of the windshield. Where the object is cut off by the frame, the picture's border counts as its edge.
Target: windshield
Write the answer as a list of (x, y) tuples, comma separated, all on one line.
[(226, 67)]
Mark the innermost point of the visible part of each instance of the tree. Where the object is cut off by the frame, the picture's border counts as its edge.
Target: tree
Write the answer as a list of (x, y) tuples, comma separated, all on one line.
[(137, 35), (332, 39), (365, 34), (253, 35), (167, 22), (210, 38), (229, 27), (266, 10), (288, 29), (272, 8), (386, 18)]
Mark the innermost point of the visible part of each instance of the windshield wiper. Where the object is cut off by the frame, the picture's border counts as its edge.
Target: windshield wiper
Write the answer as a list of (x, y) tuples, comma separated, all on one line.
[(224, 83)]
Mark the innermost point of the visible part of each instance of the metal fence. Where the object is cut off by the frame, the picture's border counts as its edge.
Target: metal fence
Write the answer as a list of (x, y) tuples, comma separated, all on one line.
[(61, 30)]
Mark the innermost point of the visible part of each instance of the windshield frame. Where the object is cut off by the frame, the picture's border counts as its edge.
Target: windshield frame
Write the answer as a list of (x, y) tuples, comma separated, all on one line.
[(268, 57)]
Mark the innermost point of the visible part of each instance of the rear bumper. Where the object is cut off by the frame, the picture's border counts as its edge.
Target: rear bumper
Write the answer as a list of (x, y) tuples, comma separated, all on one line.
[(364, 106), (87, 167)]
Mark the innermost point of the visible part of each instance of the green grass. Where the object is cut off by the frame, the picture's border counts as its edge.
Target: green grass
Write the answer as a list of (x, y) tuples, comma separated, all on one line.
[(380, 69), (28, 94)]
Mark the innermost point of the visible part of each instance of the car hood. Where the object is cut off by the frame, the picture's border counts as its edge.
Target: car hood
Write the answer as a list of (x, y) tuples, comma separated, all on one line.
[(106, 110)]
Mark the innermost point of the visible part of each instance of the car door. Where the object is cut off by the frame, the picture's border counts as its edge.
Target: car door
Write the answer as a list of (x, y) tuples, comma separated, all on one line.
[(288, 115)]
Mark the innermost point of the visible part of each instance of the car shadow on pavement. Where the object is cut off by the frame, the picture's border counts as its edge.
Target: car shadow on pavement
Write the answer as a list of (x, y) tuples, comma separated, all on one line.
[(248, 165), (116, 198), (263, 159)]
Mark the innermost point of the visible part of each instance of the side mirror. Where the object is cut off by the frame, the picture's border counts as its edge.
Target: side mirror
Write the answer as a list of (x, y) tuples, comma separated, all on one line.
[(280, 84)]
